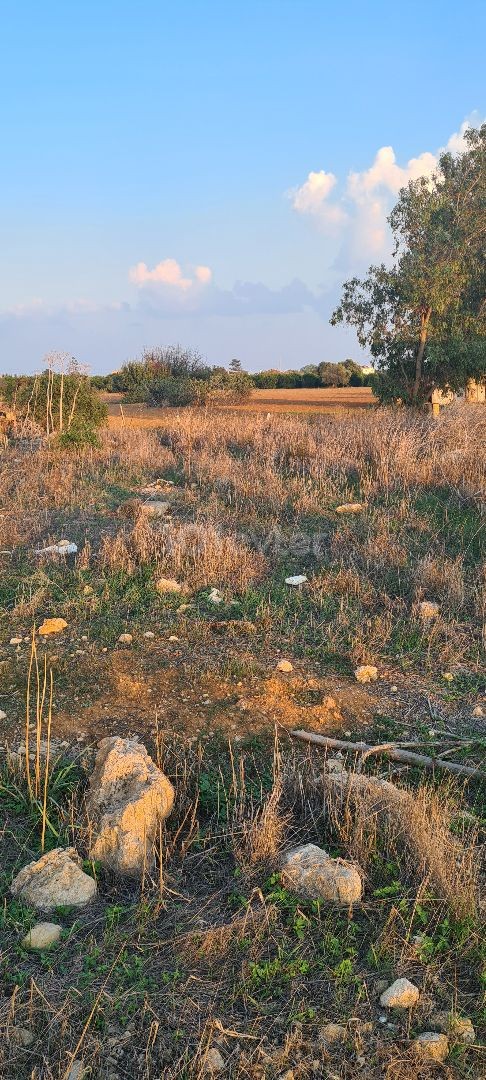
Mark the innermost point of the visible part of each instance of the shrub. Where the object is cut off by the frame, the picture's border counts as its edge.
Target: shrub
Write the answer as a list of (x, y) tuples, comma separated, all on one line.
[(59, 402)]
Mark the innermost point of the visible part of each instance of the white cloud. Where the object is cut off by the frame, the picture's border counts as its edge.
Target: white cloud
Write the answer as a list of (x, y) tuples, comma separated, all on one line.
[(203, 274), (167, 272), (359, 211)]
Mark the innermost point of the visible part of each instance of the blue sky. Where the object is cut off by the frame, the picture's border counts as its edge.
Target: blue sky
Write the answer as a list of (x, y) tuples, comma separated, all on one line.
[(210, 173)]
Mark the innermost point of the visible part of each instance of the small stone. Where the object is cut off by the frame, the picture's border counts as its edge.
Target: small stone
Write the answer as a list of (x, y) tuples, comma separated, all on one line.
[(335, 766), (3, 715), (155, 508), (332, 1033), (88, 590), (459, 1028), (448, 676), (212, 1061), (478, 711), (125, 639), (349, 508), (310, 872), (432, 1046), (52, 626), (167, 585), (149, 635), (428, 610), (394, 689), (173, 637), (366, 673), (297, 579), (402, 994), (284, 665), (42, 936), (22, 1036), (216, 597), (54, 880), (16, 640), (77, 1070)]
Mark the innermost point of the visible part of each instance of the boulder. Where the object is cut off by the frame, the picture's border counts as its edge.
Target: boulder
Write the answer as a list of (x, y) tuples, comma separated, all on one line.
[(402, 994), (432, 1045), (54, 880), (42, 936), (52, 626), (310, 872), (128, 797)]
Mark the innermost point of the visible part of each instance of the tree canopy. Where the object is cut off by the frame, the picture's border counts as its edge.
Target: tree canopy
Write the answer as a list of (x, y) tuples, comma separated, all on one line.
[(423, 318)]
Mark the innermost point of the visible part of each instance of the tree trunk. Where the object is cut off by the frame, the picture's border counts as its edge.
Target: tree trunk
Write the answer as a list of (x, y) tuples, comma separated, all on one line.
[(424, 326)]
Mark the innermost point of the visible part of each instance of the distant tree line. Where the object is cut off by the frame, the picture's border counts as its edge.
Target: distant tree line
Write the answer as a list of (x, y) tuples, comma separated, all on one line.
[(175, 375)]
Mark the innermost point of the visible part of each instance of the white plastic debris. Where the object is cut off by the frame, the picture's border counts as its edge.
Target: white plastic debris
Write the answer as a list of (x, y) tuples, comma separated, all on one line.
[(64, 547), (298, 579)]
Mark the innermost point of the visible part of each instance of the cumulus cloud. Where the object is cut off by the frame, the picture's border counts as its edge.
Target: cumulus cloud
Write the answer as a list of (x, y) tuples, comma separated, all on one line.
[(169, 272), (359, 210)]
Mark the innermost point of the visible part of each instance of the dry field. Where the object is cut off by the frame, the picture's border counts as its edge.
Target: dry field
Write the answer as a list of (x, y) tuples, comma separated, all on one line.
[(337, 401), (211, 951)]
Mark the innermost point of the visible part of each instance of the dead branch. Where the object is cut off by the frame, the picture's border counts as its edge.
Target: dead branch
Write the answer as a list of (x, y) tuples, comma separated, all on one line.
[(392, 751)]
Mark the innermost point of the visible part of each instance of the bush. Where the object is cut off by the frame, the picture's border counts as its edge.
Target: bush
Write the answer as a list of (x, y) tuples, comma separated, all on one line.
[(60, 403), (172, 391), (333, 374)]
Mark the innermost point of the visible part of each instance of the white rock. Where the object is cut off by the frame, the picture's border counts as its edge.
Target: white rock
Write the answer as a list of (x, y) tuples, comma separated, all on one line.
[(42, 936), (310, 872), (459, 1028), (297, 579), (149, 635), (212, 1061), (432, 1045), (216, 597), (54, 880), (125, 639), (366, 673), (402, 994), (16, 641), (167, 585), (128, 797), (284, 665), (478, 711), (3, 715)]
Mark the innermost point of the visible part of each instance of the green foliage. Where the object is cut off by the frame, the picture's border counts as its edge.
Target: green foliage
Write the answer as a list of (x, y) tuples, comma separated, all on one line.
[(62, 402), (333, 374), (423, 318)]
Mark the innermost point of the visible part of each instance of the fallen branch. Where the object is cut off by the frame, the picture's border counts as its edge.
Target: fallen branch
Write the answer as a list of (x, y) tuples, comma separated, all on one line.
[(391, 750)]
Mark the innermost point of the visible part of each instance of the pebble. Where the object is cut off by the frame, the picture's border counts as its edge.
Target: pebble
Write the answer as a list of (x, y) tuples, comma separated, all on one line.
[(284, 665), (149, 634), (3, 715), (22, 1036), (125, 639), (16, 640)]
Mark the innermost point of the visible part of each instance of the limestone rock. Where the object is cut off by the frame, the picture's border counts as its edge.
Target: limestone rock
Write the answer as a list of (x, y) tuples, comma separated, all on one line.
[(366, 673), (216, 597), (42, 936), (432, 1045), (297, 579), (52, 626), (212, 1061), (167, 585), (349, 508), (428, 610), (402, 994), (310, 872), (3, 715), (459, 1028), (125, 639), (15, 641), (127, 798), (332, 1033), (54, 880), (21, 1036), (155, 508), (284, 665)]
